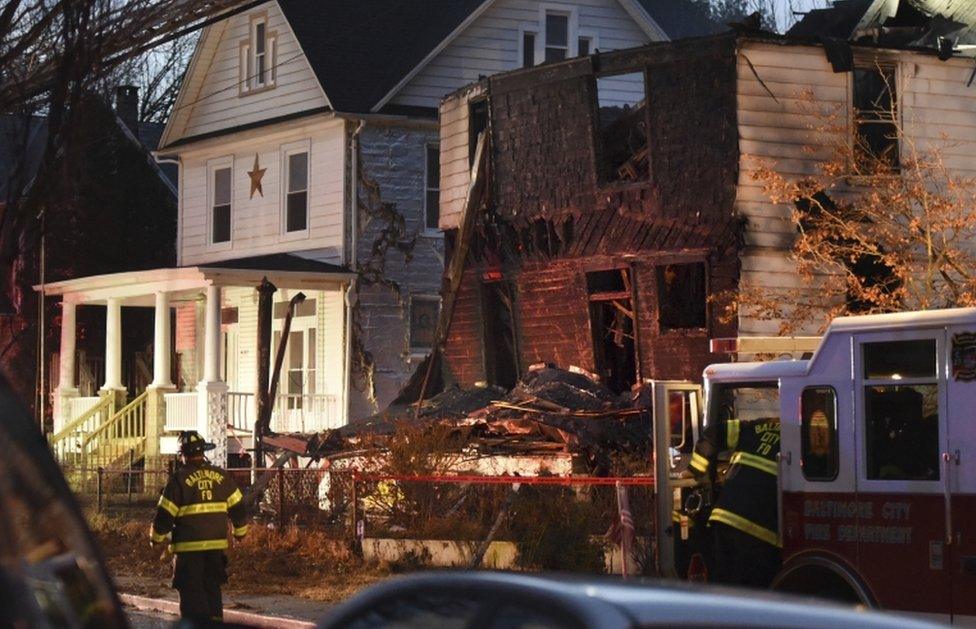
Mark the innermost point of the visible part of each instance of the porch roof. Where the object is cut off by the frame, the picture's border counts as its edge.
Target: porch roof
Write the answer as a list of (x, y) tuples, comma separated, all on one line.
[(137, 288)]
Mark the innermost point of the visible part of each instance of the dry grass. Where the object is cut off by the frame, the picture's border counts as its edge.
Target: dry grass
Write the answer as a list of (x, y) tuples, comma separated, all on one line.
[(290, 561)]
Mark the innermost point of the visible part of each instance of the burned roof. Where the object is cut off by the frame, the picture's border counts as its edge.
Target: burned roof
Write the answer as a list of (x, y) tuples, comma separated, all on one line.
[(895, 23)]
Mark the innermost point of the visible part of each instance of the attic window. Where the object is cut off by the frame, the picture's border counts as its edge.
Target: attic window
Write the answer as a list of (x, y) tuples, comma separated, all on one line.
[(257, 56), (876, 116), (623, 127)]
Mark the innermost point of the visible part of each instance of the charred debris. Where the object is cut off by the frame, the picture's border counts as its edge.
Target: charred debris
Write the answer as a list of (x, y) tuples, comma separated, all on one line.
[(550, 411)]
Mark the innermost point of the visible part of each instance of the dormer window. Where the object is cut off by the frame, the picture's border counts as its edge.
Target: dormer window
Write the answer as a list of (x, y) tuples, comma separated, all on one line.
[(257, 56)]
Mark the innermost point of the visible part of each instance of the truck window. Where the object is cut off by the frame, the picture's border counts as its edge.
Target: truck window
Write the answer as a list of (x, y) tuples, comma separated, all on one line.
[(818, 433), (901, 410), (743, 400)]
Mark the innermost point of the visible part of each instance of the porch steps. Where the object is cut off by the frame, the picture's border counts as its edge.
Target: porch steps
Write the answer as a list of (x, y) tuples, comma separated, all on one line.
[(103, 437)]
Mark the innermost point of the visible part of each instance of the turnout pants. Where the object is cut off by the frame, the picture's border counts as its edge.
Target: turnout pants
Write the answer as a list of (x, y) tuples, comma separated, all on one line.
[(741, 559), (197, 576)]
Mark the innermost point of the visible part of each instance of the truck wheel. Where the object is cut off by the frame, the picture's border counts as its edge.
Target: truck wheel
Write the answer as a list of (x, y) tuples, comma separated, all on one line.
[(821, 581)]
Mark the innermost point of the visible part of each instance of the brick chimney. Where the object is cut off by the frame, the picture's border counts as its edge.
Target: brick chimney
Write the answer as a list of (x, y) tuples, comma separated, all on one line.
[(127, 106)]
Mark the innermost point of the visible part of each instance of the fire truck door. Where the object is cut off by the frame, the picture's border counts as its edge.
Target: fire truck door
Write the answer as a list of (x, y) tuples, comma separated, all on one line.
[(677, 416), (900, 391), (958, 466)]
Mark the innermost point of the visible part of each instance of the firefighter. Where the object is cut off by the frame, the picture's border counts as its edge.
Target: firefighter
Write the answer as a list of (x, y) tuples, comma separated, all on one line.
[(744, 521), (192, 516)]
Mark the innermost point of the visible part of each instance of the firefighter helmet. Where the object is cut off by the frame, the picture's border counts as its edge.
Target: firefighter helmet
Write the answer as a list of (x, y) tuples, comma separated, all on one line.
[(192, 443)]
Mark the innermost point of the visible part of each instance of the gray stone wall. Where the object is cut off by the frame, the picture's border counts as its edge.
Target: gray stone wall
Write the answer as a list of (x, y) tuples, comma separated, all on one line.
[(412, 262)]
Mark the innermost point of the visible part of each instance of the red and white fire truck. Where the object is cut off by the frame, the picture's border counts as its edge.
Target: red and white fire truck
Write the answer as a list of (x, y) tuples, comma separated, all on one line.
[(877, 481)]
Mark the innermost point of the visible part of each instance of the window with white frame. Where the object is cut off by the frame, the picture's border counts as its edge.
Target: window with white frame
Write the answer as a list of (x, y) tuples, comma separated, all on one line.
[(527, 48), (221, 193), (258, 56), (557, 36), (424, 311), (432, 185), (296, 178)]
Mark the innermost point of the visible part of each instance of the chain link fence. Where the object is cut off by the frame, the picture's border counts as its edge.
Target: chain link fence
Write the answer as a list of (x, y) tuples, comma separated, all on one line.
[(548, 523)]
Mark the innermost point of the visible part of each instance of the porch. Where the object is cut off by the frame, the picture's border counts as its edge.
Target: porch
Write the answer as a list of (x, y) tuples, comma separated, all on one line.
[(213, 339)]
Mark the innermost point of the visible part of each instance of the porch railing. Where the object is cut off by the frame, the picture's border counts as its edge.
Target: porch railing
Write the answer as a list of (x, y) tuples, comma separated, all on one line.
[(305, 412), (120, 440), (181, 411), (240, 411), (78, 406), (68, 443)]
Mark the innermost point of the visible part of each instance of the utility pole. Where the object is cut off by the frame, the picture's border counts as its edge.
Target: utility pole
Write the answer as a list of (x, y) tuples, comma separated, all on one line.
[(266, 291)]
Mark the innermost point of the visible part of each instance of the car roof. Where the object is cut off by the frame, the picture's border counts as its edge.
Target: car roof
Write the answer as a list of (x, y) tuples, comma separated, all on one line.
[(642, 602)]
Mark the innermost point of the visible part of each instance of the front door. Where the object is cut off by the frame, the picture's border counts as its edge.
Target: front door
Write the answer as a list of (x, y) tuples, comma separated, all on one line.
[(295, 406), (900, 428)]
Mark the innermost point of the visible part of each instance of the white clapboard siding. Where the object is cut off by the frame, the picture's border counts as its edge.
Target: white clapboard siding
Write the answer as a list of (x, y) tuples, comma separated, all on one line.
[(331, 357), (455, 170), (256, 223), (217, 102), (245, 300), (491, 44), (783, 132)]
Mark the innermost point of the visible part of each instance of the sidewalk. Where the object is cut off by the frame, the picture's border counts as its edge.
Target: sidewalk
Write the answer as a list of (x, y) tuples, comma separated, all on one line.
[(256, 610)]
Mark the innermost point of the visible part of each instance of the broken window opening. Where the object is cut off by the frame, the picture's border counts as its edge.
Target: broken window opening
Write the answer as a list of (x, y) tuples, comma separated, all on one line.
[(621, 102), (477, 122), (612, 324), (870, 273), (424, 312), (500, 340), (682, 296), (876, 117)]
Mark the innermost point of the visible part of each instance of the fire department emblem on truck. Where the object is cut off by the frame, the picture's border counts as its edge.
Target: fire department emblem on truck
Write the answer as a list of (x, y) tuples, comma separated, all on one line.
[(964, 356)]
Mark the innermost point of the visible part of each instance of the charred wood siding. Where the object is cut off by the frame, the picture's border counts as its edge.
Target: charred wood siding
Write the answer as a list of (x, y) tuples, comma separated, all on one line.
[(551, 221)]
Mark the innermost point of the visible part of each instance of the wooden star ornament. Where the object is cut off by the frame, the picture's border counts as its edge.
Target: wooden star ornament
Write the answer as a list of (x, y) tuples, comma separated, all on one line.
[(256, 174)]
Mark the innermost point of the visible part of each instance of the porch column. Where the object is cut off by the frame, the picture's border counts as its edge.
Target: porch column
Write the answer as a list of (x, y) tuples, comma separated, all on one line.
[(161, 384), (66, 373), (212, 398), (161, 345), (113, 345)]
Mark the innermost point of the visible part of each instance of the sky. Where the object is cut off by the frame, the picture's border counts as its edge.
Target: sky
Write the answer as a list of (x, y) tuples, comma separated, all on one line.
[(786, 8)]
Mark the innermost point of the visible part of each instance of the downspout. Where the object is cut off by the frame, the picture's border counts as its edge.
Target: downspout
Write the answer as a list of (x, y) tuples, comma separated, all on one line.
[(353, 261)]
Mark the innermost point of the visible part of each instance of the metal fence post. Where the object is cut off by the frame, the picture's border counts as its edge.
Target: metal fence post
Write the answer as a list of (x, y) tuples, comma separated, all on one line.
[(98, 489), (281, 497), (355, 510)]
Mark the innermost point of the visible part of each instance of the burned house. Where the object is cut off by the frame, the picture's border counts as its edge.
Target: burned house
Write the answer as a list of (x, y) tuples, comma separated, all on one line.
[(607, 219), (616, 210)]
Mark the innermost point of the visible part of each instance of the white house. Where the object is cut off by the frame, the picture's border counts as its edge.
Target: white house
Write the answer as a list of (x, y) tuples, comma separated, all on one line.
[(306, 135)]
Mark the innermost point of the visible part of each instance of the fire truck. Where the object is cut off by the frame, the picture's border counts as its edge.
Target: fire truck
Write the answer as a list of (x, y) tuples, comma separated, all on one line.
[(876, 483)]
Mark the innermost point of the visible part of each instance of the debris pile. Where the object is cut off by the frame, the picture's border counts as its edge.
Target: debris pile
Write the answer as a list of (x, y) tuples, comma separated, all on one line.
[(550, 410)]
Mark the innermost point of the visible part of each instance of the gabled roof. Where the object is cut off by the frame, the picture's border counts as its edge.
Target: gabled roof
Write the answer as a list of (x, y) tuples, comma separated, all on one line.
[(360, 50), (894, 23)]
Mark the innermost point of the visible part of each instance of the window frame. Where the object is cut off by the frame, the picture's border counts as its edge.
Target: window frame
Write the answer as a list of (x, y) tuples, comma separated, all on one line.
[(288, 150), (896, 70), (213, 165), (250, 81), (835, 436), (875, 485), (572, 31), (428, 230), (417, 351), (590, 34), (706, 279), (523, 31)]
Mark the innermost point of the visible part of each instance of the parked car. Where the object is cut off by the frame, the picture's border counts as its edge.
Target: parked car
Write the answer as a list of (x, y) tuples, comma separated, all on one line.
[(51, 574), (496, 600)]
